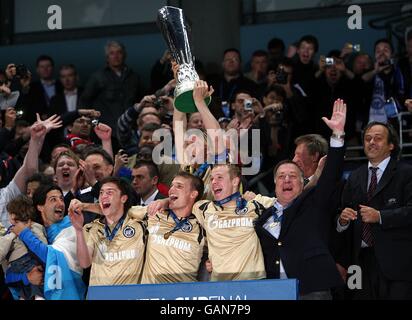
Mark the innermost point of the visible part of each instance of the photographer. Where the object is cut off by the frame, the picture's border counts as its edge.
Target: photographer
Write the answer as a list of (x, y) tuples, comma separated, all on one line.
[(297, 111), (36, 95), (335, 82), (161, 72), (131, 121), (388, 82), (275, 131), (7, 132)]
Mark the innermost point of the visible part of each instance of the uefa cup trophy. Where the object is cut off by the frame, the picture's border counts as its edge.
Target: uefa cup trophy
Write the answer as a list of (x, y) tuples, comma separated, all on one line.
[(176, 33)]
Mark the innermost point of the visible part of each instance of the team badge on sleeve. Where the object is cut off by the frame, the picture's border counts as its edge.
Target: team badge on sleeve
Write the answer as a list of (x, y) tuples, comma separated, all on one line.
[(129, 232)]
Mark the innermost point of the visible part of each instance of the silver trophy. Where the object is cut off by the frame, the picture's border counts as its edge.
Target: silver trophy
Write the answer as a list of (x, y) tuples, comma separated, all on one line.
[(176, 33)]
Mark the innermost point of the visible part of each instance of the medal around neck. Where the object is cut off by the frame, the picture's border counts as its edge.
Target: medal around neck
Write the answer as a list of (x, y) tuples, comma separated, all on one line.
[(176, 33)]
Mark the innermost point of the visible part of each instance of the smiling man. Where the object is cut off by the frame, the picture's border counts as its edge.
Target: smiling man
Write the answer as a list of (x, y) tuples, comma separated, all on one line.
[(294, 232), (113, 245), (377, 216), (234, 248), (62, 270), (176, 239)]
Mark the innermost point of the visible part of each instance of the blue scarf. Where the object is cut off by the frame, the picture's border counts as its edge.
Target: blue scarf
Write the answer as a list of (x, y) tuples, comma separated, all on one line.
[(56, 228)]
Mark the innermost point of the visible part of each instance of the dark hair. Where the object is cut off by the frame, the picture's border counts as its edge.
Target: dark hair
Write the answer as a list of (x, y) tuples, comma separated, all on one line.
[(22, 208), (68, 66), (278, 90), (151, 127), (44, 57), (409, 36), (315, 144), (334, 53), (98, 151), (60, 145), (40, 195), (22, 123), (281, 163), (287, 62), (384, 40), (310, 39), (151, 167), (124, 187), (41, 178), (232, 50), (276, 43), (145, 153), (140, 121), (239, 91), (260, 53), (196, 183), (392, 135)]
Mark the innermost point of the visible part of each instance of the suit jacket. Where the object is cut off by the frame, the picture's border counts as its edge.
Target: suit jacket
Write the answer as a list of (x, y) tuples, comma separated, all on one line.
[(393, 198), (36, 101), (58, 103), (303, 241), (159, 196)]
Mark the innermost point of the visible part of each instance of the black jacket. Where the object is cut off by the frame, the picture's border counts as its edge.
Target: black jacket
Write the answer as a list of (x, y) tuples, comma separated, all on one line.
[(36, 101), (303, 241), (393, 238), (111, 95)]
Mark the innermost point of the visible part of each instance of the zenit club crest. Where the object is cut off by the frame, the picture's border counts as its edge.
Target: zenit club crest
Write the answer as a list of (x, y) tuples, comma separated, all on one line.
[(187, 227), (129, 232), (241, 212)]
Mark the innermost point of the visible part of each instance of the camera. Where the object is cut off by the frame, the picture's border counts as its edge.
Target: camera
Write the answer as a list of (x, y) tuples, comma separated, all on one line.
[(387, 62), (355, 47), (281, 76), (21, 71), (329, 61), (19, 114), (158, 103), (95, 122), (279, 115), (247, 104)]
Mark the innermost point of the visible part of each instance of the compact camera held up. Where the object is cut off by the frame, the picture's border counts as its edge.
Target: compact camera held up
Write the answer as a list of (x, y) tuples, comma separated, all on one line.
[(247, 104)]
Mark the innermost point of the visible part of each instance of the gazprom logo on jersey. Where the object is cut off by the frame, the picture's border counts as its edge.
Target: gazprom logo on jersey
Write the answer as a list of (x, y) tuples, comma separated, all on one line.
[(228, 290), (214, 222)]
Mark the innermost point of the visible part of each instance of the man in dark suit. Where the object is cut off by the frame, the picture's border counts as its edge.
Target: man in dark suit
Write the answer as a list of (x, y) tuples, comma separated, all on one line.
[(294, 232), (145, 179), (377, 218), (40, 93), (66, 100)]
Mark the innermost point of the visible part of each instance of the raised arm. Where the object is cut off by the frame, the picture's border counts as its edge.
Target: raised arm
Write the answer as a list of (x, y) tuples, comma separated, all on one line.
[(334, 163), (38, 132), (104, 133), (201, 91), (34, 244), (83, 253)]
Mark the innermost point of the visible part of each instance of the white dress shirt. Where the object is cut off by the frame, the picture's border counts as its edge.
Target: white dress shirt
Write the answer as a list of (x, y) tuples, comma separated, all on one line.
[(274, 230), (150, 199), (71, 99)]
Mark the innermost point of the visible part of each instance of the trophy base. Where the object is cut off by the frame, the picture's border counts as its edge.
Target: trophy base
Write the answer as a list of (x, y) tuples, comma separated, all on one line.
[(184, 102)]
